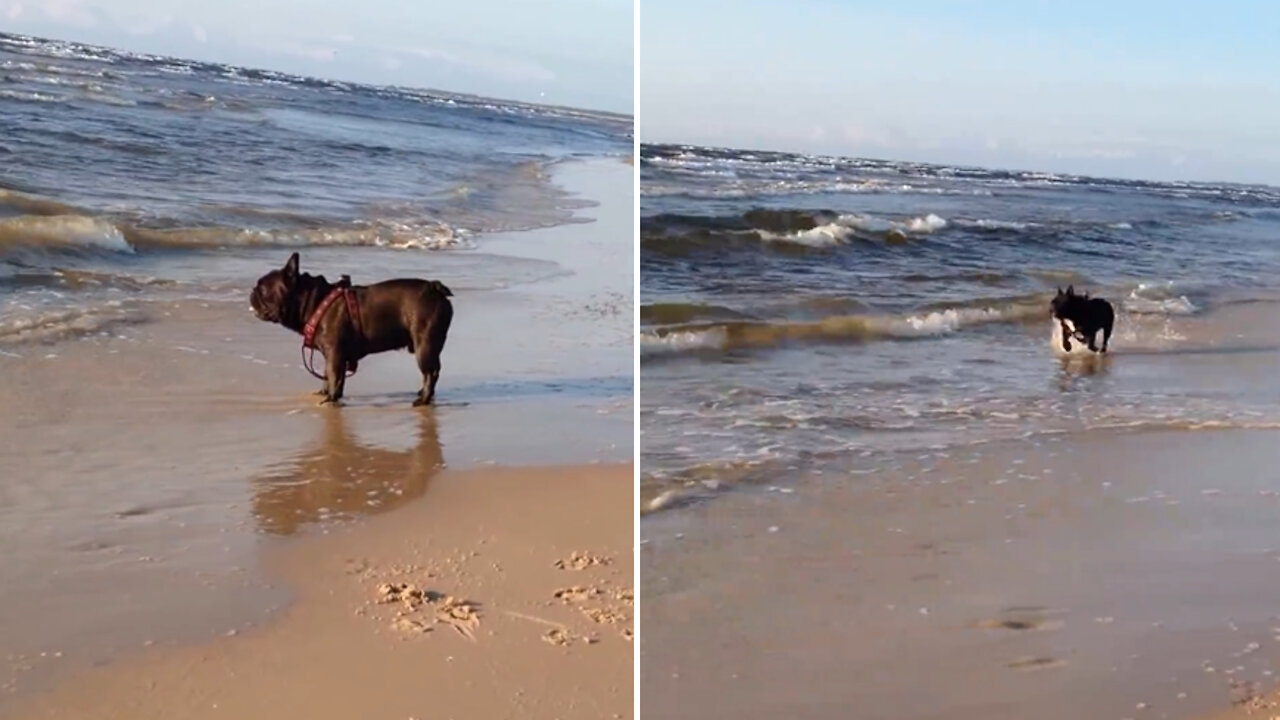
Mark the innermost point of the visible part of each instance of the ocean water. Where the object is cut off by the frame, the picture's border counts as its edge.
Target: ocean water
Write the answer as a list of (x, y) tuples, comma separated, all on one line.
[(126, 177), (805, 314)]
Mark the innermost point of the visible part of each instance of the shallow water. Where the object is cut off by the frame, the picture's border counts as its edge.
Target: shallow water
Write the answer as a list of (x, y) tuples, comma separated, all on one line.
[(802, 313), (128, 177)]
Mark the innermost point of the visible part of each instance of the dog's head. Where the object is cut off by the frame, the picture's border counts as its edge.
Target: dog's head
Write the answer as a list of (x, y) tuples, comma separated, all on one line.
[(273, 293), (1063, 303)]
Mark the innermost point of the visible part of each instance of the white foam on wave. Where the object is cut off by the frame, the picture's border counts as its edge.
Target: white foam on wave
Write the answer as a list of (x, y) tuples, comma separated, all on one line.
[(400, 236), (680, 341), (926, 224), (943, 322), (25, 96), (839, 231), (923, 225), (1168, 306), (65, 231), (821, 236), (989, 224), (1158, 299), (761, 188)]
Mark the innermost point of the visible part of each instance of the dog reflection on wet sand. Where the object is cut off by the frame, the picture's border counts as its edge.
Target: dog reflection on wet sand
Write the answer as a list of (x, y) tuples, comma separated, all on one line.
[(339, 477)]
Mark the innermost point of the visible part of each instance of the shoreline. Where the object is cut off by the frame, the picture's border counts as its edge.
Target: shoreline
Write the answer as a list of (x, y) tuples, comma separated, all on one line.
[(189, 443)]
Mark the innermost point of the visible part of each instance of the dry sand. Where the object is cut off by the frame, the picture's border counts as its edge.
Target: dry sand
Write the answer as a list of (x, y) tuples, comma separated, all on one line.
[(1104, 575), (505, 593)]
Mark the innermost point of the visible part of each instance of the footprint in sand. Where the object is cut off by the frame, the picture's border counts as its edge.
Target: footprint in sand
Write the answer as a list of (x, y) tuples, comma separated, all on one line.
[(421, 610), (577, 594), (605, 615), (1033, 617), (1036, 663), (580, 560)]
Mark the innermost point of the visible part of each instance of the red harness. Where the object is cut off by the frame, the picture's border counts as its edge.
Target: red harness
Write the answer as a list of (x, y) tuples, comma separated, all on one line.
[(343, 289)]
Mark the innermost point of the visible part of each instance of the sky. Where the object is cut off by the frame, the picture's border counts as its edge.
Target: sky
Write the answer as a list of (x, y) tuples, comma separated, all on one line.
[(561, 52), (1137, 89)]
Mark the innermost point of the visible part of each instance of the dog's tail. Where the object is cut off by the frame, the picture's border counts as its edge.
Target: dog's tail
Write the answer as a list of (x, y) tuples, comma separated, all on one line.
[(437, 286)]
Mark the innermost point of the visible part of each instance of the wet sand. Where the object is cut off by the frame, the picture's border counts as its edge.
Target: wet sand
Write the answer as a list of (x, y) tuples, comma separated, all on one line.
[(1092, 576), (151, 467), (1110, 573), (505, 593)]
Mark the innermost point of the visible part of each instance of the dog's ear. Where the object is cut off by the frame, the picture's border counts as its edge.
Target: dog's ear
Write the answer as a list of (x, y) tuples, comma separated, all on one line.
[(291, 268), (1071, 289)]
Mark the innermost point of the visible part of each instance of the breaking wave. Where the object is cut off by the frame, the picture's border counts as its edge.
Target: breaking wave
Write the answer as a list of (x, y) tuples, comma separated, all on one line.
[(82, 233), (719, 336), (800, 228), (677, 329)]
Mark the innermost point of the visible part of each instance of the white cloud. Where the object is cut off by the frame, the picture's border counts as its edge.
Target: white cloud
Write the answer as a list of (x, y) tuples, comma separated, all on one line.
[(199, 34), (15, 10)]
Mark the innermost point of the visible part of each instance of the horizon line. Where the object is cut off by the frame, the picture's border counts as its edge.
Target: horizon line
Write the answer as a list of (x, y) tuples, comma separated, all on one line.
[(935, 163), (603, 114)]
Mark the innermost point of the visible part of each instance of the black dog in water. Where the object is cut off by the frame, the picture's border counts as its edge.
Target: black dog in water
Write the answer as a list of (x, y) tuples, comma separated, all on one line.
[(390, 315), (1082, 317)]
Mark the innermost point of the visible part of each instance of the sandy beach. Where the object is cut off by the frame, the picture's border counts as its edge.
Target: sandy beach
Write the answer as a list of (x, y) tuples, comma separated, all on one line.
[(1098, 577), (178, 505), (504, 593), (1093, 577)]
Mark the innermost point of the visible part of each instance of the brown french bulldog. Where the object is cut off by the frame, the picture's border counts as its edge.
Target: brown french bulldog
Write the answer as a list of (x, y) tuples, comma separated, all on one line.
[(394, 314)]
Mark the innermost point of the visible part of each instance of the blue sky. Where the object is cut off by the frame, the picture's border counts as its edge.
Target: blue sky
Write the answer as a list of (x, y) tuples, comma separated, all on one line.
[(567, 52), (1159, 90)]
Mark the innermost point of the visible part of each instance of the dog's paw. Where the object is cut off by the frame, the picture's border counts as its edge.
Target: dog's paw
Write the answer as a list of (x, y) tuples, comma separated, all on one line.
[(326, 400)]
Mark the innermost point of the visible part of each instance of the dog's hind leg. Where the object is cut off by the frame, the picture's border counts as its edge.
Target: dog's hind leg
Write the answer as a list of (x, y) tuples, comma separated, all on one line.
[(429, 345), (1106, 335), (1093, 340), (429, 363)]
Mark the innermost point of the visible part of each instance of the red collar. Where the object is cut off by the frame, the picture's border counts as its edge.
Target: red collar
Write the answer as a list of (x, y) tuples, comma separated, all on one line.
[(313, 323)]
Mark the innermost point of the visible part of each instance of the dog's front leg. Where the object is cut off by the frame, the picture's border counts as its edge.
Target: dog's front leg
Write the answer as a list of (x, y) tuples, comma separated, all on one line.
[(1066, 337), (335, 371), (1093, 340)]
